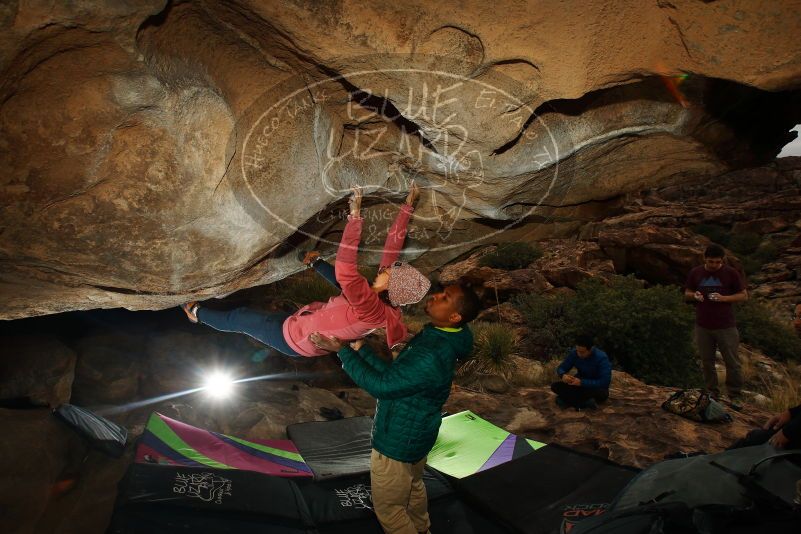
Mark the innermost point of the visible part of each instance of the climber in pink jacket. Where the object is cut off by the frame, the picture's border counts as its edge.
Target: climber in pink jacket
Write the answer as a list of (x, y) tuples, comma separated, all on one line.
[(357, 311)]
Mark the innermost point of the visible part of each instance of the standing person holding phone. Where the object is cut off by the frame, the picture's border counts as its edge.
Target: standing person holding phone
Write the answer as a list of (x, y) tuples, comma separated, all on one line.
[(714, 287)]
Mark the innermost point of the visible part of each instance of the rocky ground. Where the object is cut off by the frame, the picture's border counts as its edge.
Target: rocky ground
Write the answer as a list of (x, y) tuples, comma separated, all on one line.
[(109, 359), (53, 483)]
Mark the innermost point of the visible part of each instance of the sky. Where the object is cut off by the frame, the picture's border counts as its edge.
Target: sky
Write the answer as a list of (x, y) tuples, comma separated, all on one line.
[(793, 148)]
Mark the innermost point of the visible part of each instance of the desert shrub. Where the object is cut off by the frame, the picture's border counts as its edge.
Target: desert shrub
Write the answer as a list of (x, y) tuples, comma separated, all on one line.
[(767, 252), (715, 232), (758, 327), (750, 264), (494, 345), (415, 321), (511, 256), (549, 319), (784, 395), (533, 373), (308, 286), (305, 287), (744, 243), (749, 246), (646, 331)]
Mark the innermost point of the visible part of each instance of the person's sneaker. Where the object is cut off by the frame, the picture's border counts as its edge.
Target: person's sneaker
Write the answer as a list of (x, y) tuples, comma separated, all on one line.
[(590, 404), (736, 403), (560, 402), (190, 309), (308, 257)]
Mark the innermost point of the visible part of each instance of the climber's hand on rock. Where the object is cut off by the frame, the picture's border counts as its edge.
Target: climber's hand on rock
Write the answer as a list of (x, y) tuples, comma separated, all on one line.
[(356, 202), (414, 194)]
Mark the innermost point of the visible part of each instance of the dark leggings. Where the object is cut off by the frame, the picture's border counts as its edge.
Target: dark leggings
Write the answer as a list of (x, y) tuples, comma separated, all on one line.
[(577, 396), (262, 326), (326, 270), (265, 327)]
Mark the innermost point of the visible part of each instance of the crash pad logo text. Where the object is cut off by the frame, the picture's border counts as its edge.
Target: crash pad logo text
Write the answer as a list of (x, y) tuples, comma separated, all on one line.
[(207, 487), (357, 497), (574, 513)]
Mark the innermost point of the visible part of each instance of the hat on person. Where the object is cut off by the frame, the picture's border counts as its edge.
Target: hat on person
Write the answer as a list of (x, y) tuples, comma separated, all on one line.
[(406, 285)]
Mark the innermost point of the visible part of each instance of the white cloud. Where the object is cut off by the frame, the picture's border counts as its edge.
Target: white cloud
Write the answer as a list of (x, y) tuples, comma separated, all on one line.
[(792, 148)]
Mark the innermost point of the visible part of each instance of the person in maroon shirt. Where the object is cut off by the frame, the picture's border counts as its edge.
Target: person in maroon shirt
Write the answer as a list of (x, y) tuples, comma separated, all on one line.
[(714, 286)]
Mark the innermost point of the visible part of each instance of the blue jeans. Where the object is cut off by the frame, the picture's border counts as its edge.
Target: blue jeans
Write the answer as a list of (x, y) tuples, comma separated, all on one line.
[(261, 326), (326, 270)]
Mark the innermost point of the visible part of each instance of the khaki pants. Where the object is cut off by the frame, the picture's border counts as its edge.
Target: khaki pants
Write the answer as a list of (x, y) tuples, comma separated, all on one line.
[(399, 495), (727, 341)]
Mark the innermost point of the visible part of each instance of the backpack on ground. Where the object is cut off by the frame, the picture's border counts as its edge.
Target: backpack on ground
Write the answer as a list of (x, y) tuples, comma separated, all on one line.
[(739, 491), (696, 405)]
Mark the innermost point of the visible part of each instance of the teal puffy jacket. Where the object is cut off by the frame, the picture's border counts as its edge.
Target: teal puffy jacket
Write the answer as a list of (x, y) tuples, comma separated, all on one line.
[(411, 390)]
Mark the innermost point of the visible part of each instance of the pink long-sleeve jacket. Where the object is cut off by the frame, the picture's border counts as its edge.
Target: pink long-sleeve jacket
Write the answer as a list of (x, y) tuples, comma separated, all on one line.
[(357, 310)]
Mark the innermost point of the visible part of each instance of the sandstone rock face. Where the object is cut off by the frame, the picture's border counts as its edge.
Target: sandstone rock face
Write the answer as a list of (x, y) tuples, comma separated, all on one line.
[(658, 236), (40, 369), (657, 239), (158, 151), (108, 370), (51, 481)]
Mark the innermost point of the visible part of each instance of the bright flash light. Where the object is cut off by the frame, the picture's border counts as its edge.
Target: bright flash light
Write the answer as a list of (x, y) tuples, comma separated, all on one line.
[(219, 385)]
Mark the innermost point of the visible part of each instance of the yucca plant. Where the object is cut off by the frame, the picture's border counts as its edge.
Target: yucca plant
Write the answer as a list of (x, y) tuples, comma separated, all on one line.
[(494, 345), (511, 256)]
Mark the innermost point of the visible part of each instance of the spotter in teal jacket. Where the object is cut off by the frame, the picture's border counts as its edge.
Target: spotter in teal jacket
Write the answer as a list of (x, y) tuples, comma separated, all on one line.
[(411, 390)]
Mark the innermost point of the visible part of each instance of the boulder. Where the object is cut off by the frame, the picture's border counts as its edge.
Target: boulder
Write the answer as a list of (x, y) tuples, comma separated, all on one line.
[(159, 152), (38, 368), (109, 368)]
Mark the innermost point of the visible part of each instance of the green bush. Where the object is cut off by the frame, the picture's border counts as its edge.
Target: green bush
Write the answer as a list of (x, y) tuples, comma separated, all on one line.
[(308, 286), (550, 321), (715, 232), (745, 243), (494, 344), (305, 287), (750, 264), (767, 252), (511, 256), (647, 332), (759, 328)]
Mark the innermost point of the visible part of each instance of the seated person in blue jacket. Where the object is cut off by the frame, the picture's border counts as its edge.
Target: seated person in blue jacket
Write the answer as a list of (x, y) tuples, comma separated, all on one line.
[(590, 385)]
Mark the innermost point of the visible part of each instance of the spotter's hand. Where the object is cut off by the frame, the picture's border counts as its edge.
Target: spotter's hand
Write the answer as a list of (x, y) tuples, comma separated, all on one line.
[(332, 344)]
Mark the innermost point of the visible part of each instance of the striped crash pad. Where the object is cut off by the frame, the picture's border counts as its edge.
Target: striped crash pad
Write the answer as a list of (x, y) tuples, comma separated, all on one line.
[(468, 444), (171, 442)]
